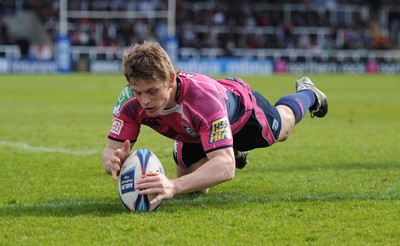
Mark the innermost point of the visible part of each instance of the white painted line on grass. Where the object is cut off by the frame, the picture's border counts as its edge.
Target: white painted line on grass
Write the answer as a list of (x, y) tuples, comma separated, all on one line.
[(42, 149), (56, 204)]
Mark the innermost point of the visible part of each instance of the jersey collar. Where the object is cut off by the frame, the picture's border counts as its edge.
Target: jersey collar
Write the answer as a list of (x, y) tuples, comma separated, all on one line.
[(178, 95)]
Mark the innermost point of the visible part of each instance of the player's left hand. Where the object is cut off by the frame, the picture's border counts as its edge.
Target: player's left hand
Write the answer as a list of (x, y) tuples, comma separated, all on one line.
[(156, 183)]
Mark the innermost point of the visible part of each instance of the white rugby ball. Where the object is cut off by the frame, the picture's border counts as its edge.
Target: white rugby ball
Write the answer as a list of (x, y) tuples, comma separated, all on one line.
[(135, 167)]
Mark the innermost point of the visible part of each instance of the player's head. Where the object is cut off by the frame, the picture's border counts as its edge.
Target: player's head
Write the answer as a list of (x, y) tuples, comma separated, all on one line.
[(147, 62), (151, 75)]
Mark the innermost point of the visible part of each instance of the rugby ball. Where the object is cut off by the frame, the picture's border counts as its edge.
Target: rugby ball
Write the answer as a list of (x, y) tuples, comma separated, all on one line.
[(135, 167)]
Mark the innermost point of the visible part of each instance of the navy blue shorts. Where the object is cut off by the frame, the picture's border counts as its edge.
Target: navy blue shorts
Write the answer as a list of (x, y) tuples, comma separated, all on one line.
[(248, 138)]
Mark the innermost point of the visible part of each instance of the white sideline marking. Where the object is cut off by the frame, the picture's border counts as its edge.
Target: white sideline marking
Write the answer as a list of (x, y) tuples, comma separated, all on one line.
[(55, 204), (41, 149)]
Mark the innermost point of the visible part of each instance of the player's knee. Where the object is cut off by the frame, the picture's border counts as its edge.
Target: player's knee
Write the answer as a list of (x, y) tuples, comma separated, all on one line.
[(287, 122)]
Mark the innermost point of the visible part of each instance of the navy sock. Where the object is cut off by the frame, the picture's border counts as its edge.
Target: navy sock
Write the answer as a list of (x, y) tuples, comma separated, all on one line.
[(298, 102)]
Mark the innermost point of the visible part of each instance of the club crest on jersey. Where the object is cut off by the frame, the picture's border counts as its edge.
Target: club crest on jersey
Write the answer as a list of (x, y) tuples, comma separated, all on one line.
[(220, 130), (117, 126), (125, 95)]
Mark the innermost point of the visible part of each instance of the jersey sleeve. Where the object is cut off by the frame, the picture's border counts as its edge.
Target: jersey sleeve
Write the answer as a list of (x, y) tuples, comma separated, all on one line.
[(205, 104), (216, 134), (124, 124), (123, 129)]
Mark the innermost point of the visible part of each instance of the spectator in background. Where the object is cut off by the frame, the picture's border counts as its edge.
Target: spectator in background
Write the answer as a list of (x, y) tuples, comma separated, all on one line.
[(5, 35), (240, 24), (41, 51)]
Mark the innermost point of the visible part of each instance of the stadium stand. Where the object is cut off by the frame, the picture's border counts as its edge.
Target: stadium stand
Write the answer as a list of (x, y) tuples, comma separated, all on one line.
[(225, 28)]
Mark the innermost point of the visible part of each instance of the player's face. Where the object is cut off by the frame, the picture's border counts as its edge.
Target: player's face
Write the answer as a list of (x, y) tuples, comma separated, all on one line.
[(153, 96)]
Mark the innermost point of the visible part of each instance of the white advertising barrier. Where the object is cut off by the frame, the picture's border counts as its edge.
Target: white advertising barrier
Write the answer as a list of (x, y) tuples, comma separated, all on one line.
[(262, 67), (105, 67), (4, 66), (370, 67), (27, 66), (234, 67), (206, 66)]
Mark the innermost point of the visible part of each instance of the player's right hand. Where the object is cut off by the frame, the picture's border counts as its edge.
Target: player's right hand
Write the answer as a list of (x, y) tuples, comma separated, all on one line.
[(118, 158)]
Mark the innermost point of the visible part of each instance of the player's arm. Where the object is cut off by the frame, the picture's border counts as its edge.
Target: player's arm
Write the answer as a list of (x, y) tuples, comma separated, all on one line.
[(114, 155), (219, 167)]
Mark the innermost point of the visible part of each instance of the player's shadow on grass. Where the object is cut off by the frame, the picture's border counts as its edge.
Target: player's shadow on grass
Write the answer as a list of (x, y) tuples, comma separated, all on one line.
[(227, 200), (66, 208)]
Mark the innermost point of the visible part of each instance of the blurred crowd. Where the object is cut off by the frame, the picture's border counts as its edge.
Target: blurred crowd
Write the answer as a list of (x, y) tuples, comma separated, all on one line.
[(227, 24)]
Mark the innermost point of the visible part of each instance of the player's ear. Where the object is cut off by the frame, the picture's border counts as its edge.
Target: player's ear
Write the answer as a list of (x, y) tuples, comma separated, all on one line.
[(171, 81)]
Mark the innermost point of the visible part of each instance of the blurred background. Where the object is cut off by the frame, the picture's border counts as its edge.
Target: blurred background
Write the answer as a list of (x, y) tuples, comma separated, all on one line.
[(247, 37)]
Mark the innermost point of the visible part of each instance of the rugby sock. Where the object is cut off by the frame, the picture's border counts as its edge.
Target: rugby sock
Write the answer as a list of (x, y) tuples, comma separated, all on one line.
[(298, 102)]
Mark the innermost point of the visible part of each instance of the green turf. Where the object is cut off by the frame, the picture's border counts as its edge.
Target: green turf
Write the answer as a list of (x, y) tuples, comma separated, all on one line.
[(336, 181)]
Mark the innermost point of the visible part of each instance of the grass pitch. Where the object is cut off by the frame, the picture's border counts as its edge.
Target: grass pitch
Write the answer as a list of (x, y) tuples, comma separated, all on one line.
[(335, 181)]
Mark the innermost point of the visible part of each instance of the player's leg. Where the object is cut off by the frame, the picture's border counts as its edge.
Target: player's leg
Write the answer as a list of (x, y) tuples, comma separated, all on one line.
[(261, 129), (292, 108), (287, 122), (320, 107)]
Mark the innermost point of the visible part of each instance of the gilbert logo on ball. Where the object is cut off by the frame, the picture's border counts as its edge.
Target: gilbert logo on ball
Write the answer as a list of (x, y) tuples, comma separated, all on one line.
[(135, 167)]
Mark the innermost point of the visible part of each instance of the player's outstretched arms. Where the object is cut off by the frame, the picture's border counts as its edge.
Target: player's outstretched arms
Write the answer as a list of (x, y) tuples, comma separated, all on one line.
[(156, 183), (114, 155), (219, 168)]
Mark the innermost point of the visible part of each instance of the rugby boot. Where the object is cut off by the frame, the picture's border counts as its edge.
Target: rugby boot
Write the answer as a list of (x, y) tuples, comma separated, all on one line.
[(320, 108), (240, 158)]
